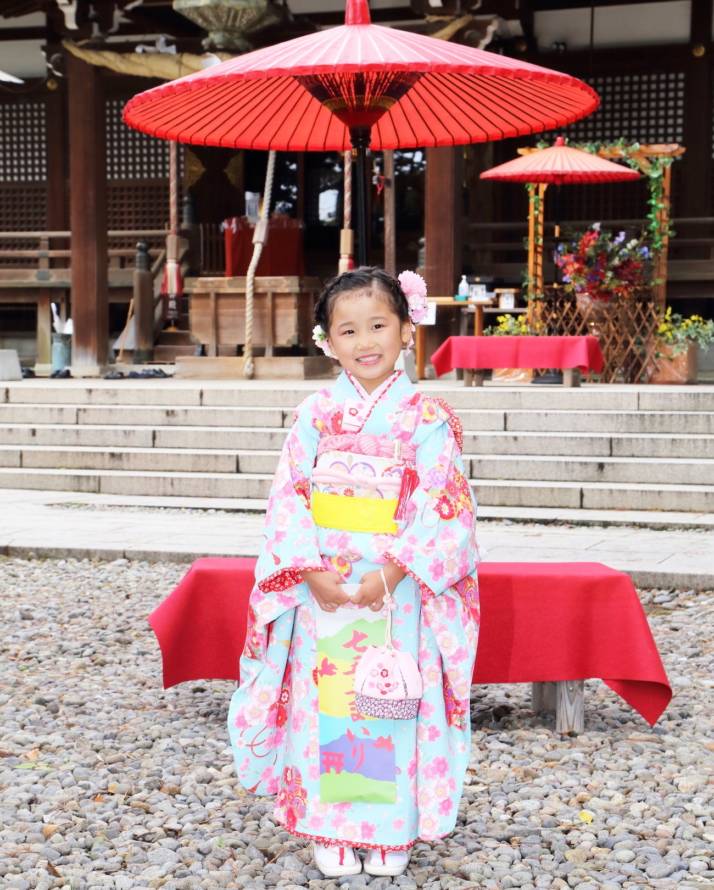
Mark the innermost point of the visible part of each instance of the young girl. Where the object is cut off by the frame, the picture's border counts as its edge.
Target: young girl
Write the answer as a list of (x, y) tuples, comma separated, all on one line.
[(370, 478)]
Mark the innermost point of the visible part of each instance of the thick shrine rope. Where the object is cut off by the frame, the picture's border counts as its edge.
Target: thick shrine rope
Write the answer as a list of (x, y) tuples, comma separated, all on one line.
[(259, 238)]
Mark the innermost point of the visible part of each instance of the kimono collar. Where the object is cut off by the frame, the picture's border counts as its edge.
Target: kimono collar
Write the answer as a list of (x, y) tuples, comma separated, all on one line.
[(358, 403), (378, 392)]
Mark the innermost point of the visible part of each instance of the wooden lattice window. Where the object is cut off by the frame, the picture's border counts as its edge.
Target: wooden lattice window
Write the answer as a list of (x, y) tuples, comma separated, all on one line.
[(23, 142), (131, 154), (137, 205), (645, 107)]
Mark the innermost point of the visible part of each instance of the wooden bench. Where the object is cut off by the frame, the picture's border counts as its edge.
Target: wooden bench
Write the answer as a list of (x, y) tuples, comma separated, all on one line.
[(549, 624)]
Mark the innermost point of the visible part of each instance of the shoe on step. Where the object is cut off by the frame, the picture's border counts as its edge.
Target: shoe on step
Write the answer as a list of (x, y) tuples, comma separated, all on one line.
[(386, 862), (334, 862)]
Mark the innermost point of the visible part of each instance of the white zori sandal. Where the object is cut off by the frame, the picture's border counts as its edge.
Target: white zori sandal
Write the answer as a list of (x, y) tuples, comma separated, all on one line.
[(334, 862), (386, 862)]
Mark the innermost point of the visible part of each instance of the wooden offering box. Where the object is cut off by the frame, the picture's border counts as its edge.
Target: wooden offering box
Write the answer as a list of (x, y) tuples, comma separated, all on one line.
[(282, 311)]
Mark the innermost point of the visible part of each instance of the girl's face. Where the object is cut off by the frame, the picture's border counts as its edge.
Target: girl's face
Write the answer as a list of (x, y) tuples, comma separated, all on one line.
[(366, 335)]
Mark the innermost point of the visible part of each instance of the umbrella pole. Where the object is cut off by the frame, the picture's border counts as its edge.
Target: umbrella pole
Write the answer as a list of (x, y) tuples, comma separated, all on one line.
[(347, 236), (361, 137)]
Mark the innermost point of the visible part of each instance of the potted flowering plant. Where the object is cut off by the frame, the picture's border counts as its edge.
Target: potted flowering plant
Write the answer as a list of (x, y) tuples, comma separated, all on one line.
[(598, 266), (511, 326), (677, 342)]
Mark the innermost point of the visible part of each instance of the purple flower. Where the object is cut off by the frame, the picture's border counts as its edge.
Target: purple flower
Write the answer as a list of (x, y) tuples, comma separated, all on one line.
[(620, 238)]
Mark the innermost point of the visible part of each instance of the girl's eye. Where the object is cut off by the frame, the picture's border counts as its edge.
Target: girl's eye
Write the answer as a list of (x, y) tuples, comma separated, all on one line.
[(349, 331), (379, 325)]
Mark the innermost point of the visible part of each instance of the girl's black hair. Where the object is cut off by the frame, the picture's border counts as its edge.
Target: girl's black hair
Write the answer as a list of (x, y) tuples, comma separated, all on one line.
[(364, 276)]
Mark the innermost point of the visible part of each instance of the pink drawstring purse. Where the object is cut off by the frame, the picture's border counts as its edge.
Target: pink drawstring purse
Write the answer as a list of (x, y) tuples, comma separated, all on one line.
[(387, 681)]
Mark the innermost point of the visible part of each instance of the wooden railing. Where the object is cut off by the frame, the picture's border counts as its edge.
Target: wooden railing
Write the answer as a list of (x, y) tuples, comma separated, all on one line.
[(43, 252)]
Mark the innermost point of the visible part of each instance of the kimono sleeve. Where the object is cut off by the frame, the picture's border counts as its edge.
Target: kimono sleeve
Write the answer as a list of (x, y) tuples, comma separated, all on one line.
[(437, 546), (290, 539)]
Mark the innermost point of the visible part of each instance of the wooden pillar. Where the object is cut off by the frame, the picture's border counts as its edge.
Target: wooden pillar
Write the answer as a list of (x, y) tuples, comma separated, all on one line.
[(696, 181), (57, 209), (663, 217), (442, 220), (390, 214), (88, 218)]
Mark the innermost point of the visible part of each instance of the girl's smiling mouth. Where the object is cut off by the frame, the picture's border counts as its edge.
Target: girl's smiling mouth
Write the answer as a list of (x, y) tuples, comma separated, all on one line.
[(369, 359)]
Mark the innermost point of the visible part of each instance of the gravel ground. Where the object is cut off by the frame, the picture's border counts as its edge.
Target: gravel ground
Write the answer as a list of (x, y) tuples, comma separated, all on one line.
[(107, 781)]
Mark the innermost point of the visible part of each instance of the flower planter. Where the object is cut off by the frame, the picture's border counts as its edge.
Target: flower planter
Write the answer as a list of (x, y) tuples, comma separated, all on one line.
[(670, 368)]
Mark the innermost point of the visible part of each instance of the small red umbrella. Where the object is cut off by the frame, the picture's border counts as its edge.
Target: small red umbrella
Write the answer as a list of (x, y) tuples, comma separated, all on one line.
[(558, 165), (362, 85)]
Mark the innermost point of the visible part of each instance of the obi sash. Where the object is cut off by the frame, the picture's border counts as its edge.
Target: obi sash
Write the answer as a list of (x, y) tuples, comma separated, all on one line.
[(357, 492)]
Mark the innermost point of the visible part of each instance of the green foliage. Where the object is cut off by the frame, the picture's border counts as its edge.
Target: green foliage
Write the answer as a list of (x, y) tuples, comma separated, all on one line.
[(679, 332), (509, 326)]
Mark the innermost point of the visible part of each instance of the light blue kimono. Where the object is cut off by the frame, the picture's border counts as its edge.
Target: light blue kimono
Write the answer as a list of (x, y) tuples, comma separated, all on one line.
[(340, 777)]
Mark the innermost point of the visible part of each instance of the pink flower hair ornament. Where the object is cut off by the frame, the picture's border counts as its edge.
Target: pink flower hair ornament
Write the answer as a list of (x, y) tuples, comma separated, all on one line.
[(414, 288)]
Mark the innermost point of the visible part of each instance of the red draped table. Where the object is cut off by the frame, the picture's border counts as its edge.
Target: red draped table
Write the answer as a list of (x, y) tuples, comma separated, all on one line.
[(540, 623), (474, 353)]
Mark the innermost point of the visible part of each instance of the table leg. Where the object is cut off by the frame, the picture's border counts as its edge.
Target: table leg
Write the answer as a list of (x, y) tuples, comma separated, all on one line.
[(213, 341), (570, 706), (478, 321), (571, 377), (420, 352), (543, 698), (468, 377)]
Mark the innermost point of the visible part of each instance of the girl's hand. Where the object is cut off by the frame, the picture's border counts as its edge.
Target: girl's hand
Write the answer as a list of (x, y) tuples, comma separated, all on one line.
[(371, 590), (326, 587)]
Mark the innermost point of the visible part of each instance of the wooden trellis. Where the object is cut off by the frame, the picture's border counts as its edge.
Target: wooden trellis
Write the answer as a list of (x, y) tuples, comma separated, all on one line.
[(626, 329)]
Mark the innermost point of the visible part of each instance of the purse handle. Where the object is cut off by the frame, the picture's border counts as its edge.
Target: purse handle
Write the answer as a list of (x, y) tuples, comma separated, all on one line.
[(388, 604)]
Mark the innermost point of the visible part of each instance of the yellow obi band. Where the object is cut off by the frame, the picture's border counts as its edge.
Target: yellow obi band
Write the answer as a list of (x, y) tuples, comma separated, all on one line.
[(375, 515)]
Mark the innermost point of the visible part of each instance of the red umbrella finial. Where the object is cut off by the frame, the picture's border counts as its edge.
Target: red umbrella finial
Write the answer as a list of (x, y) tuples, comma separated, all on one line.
[(357, 12)]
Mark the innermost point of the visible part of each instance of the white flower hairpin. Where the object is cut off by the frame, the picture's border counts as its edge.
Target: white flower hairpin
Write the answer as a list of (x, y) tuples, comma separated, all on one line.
[(320, 338)]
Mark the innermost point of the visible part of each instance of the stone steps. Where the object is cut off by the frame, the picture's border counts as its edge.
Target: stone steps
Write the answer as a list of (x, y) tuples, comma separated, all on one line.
[(492, 467), (490, 492), (587, 449), (661, 445), (245, 393), (486, 420)]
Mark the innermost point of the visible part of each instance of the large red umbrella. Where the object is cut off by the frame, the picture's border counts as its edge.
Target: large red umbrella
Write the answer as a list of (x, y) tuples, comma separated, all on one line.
[(361, 85), (557, 165)]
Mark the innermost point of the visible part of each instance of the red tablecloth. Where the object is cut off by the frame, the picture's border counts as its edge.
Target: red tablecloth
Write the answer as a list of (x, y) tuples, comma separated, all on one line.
[(282, 253), (473, 353), (539, 622)]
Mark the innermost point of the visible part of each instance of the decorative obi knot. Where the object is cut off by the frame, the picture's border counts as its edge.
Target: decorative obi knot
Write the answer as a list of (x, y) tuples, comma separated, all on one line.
[(368, 445)]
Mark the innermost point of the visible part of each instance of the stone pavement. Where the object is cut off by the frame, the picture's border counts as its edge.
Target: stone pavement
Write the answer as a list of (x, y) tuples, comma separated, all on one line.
[(64, 524)]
